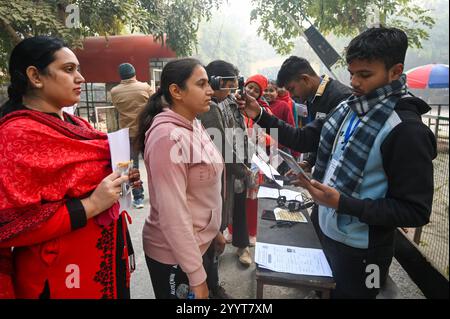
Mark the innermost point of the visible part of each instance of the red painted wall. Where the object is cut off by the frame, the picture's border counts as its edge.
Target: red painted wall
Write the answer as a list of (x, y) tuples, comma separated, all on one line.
[(100, 57)]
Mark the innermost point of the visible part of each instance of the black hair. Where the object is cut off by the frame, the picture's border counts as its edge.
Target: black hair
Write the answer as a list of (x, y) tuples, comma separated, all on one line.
[(36, 51), (388, 45), (273, 83), (292, 68), (174, 72), (221, 68)]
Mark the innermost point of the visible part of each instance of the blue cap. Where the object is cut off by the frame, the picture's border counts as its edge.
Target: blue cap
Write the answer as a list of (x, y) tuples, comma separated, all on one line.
[(126, 71)]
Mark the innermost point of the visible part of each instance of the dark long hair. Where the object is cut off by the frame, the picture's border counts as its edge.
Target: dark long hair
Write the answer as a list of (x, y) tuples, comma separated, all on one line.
[(175, 72), (36, 51)]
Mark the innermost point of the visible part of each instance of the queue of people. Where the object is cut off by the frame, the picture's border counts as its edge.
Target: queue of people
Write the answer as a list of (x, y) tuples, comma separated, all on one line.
[(368, 150)]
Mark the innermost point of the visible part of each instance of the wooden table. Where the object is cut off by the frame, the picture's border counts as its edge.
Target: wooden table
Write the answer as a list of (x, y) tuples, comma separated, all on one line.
[(299, 235)]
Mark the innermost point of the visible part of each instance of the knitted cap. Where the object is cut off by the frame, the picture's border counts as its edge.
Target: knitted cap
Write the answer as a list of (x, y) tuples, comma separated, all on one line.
[(126, 71), (260, 80)]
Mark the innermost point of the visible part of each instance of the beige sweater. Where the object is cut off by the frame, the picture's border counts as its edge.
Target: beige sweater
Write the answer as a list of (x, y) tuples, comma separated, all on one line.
[(130, 98)]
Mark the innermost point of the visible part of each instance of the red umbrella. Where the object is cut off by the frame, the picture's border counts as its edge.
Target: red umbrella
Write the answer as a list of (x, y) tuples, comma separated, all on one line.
[(428, 76)]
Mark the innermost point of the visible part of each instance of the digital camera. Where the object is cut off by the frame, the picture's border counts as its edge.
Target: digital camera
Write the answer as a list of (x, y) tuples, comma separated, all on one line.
[(218, 83)]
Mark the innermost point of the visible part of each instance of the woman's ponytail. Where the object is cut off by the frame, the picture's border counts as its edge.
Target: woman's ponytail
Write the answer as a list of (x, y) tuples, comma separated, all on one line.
[(154, 106), (16, 90), (174, 72)]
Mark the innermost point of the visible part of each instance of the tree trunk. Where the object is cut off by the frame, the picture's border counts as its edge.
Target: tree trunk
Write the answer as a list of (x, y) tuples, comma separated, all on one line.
[(10, 30)]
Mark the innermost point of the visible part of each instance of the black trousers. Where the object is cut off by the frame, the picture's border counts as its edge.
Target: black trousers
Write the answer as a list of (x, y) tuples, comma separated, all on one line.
[(169, 281), (349, 266), (240, 229), (211, 265)]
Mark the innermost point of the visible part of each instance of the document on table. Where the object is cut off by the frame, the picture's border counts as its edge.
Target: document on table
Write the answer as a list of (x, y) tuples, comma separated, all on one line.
[(267, 192), (293, 260), (267, 169)]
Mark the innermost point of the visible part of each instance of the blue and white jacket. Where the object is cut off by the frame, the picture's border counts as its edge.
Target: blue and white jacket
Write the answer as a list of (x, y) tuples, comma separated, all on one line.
[(397, 190)]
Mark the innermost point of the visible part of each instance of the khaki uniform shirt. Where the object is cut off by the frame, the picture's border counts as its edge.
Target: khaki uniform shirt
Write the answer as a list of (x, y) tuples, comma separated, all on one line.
[(129, 98)]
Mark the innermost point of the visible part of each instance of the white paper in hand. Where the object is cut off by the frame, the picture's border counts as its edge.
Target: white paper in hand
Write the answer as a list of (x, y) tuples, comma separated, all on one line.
[(119, 146)]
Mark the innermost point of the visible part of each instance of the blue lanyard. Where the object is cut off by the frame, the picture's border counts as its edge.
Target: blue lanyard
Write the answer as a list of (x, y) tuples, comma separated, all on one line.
[(351, 128)]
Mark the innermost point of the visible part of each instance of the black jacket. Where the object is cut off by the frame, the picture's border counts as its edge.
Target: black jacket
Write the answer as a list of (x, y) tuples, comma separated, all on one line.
[(407, 155), (335, 92)]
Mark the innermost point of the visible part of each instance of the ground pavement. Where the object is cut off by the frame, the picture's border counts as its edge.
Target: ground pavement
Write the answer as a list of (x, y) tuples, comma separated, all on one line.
[(238, 281)]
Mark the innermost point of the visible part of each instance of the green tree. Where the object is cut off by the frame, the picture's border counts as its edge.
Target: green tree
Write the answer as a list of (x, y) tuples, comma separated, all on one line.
[(173, 21), (222, 38), (436, 48), (340, 17), (182, 21)]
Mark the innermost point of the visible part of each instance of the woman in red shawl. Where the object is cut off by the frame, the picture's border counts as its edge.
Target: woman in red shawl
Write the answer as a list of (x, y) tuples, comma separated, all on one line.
[(55, 177)]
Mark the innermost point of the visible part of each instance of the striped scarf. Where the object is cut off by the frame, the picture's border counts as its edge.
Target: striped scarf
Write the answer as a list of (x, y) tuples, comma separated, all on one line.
[(233, 119), (373, 110)]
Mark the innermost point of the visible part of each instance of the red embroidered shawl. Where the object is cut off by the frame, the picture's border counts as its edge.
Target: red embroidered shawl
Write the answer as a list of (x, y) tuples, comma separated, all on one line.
[(43, 162)]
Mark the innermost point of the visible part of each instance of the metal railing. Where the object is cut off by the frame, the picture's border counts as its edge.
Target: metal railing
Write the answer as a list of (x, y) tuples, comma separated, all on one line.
[(433, 237), (96, 107)]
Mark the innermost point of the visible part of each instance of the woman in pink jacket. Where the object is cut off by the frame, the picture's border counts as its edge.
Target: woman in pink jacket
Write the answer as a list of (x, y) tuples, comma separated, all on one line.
[(184, 175)]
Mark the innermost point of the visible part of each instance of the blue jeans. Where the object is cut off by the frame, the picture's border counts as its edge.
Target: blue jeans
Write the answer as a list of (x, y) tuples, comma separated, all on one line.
[(137, 193)]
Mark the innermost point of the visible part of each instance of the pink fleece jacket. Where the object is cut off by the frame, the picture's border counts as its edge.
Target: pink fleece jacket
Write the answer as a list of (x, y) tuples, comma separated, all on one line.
[(184, 171)]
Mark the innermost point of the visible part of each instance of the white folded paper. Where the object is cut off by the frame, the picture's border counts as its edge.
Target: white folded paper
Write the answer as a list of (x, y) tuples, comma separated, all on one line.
[(119, 146)]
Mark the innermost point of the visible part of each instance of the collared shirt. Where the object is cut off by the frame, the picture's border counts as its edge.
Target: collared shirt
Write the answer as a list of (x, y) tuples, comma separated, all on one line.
[(312, 114)]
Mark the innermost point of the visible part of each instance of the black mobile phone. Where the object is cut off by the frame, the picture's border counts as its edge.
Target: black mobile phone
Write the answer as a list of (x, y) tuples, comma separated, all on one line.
[(241, 87), (293, 165), (268, 214)]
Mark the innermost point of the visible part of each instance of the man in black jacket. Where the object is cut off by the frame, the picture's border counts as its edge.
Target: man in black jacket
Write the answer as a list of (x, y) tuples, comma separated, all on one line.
[(321, 94), (374, 169)]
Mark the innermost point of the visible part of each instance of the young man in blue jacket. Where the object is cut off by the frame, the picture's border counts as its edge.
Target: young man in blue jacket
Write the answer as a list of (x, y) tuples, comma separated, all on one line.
[(374, 169)]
